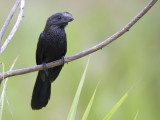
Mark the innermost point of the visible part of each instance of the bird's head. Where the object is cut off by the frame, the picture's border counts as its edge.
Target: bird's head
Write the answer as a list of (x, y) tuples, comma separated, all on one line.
[(60, 19)]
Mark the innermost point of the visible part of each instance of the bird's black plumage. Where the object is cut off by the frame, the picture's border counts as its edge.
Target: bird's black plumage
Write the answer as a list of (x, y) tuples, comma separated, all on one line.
[(52, 45)]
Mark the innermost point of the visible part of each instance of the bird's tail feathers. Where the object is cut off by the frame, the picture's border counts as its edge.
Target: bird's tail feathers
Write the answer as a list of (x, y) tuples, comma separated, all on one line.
[(41, 92)]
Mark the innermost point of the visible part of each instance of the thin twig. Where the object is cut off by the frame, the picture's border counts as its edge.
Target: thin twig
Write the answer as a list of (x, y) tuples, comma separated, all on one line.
[(9, 106), (4, 89), (85, 52), (20, 16), (8, 20)]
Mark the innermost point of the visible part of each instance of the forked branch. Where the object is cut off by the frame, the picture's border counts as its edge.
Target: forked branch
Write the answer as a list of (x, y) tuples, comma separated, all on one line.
[(13, 31)]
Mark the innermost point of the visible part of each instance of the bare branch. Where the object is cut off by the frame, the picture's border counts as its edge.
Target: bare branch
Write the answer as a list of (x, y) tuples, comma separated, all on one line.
[(20, 16), (85, 52), (8, 20)]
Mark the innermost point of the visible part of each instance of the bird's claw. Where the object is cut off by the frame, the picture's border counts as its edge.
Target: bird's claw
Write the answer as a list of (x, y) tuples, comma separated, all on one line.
[(45, 69), (63, 60)]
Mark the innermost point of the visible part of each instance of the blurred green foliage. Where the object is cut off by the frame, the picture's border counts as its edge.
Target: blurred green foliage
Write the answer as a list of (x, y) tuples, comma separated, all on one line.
[(135, 56)]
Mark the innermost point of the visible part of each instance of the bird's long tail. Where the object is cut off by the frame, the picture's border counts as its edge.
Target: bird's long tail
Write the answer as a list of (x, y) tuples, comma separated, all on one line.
[(41, 92)]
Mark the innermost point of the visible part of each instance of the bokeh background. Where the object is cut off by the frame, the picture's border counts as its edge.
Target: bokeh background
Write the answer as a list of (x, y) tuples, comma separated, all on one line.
[(132, 59)]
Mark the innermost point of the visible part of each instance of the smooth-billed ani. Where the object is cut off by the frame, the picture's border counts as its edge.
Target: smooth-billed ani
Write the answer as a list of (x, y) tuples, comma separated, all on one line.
[(52, 45)]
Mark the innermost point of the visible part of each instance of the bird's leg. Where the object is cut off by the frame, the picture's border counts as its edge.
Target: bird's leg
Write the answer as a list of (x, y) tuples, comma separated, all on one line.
[(45, 69), (63, 60)]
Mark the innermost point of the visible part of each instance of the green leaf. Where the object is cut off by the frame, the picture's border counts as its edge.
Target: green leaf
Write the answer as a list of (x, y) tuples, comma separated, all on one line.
[(115, 108), (135, 118), (73, 109), (86, 113)]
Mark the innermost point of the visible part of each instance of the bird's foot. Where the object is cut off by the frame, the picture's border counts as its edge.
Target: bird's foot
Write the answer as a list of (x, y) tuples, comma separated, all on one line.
[(63, 60), (45, 69)]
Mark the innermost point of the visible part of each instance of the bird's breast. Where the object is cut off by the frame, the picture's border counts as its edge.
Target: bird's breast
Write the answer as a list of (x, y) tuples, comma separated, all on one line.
[(55, 47)]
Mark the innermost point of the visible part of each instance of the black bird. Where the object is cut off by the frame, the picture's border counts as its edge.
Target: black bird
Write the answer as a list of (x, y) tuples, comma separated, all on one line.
[(52, 45)]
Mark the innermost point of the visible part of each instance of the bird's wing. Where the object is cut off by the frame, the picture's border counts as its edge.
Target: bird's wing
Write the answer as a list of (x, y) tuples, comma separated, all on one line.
[(39, 51)]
